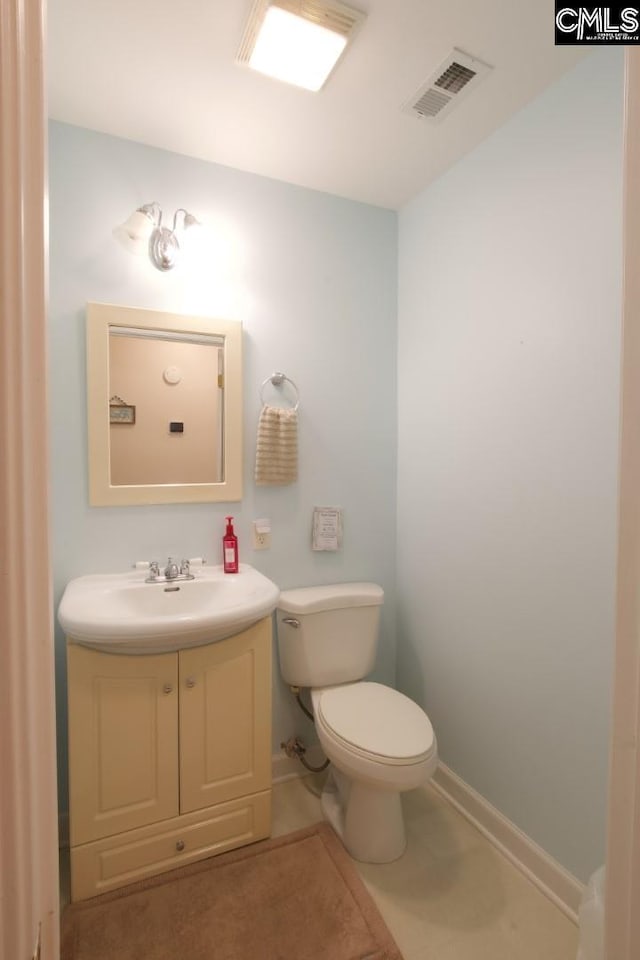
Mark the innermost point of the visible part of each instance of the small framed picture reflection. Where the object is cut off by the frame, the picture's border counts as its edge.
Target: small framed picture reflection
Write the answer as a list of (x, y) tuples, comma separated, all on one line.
[(122, 413)]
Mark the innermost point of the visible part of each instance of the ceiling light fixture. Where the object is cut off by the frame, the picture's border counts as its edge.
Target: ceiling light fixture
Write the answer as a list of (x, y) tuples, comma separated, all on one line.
[(298, 41), (143, 233)]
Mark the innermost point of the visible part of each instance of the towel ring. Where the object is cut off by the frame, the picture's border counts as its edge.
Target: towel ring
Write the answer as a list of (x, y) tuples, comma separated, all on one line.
[(277, 379)]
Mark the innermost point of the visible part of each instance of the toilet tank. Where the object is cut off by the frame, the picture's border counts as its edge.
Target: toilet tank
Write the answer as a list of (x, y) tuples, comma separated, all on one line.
[(328, 634)]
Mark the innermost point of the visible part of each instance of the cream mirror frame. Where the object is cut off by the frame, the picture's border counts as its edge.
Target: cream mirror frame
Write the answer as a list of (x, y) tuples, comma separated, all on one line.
[(102, 318)]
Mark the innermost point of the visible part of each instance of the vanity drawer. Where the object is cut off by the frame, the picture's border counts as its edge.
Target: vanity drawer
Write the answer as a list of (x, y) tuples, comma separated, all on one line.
[(115, 861)]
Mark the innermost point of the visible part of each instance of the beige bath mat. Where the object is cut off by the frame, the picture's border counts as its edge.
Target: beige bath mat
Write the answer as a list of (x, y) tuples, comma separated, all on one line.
[(297, 897)]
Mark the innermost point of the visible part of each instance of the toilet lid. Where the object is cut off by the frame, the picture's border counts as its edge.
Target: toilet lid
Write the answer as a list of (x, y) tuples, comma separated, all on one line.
[(377, 720)]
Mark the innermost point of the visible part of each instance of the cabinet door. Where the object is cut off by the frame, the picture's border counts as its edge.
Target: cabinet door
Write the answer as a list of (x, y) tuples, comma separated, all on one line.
[(225, 719), (123, 741)]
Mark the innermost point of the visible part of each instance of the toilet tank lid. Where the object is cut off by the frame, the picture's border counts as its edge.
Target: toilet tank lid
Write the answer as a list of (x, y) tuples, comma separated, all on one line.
[(333, 596)]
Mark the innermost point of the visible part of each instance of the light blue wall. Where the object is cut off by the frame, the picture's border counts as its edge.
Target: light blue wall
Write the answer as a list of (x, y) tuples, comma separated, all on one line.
[(506, 421), (313, 279), (508, 373)]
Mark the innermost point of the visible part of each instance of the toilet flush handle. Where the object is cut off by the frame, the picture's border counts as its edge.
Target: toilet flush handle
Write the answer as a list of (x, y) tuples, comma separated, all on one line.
[(291, 621)]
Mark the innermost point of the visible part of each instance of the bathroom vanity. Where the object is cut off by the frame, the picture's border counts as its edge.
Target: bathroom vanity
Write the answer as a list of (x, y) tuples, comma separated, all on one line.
[(169, 756)]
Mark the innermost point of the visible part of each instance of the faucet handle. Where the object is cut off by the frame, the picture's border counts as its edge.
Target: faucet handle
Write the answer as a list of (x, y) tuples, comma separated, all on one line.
[(185, 568), (154, 572)]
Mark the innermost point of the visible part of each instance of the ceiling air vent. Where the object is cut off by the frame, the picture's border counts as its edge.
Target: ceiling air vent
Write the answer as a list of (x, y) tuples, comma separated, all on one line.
[(458, 74)]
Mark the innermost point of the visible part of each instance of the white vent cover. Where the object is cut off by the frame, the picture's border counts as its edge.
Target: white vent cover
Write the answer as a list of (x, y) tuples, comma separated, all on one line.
[(453, 79)]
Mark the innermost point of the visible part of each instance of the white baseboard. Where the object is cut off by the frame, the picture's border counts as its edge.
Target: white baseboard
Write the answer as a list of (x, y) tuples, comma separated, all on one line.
[(548, 875), (286, 768)]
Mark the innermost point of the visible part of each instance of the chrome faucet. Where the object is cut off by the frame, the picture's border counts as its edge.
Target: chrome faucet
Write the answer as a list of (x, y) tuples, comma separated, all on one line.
[(172, 571)]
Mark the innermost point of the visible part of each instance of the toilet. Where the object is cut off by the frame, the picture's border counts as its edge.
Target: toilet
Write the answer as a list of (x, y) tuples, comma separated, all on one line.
[(380, 743)]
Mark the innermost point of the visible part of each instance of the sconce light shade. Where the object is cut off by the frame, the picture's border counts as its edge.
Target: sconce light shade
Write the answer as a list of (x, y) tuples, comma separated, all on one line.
[(143, 233), (135, 232)]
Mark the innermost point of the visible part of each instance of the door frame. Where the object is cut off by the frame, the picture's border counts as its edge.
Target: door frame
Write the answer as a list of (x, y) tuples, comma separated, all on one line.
[(29, 885), (622, 885)]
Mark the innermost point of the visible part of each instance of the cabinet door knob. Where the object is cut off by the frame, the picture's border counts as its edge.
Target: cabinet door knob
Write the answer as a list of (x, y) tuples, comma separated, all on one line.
[(191, 681), (180, 846), (167, 688)]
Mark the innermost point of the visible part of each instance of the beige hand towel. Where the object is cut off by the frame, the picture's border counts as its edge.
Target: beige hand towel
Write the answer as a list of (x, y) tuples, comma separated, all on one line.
[(277, 446)]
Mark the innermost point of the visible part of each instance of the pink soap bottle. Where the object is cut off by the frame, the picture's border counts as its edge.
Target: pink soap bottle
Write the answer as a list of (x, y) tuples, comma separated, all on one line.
[(230, 549)]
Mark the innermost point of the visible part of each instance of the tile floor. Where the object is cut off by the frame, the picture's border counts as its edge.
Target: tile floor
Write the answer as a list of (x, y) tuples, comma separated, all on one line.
[(452, 896)]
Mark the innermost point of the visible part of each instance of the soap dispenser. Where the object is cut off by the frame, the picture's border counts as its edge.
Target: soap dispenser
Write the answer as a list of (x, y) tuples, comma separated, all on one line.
[(230, 548)]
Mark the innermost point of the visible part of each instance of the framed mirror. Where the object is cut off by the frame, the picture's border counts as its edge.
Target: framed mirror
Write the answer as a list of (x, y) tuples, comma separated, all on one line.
[(164, 399)]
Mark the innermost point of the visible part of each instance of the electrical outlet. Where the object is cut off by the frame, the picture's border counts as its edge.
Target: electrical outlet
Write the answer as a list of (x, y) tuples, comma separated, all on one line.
[(261, 535), (261, 541)]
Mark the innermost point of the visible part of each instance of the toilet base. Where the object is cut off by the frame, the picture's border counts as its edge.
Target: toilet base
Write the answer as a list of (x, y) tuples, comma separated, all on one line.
[(368, 820)]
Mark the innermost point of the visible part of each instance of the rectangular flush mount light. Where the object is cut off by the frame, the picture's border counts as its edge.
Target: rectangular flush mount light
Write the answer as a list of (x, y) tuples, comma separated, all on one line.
[(298, 41)]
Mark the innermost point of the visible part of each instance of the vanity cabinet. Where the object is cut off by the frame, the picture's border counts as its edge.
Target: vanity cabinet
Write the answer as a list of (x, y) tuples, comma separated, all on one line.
[(169, 757)]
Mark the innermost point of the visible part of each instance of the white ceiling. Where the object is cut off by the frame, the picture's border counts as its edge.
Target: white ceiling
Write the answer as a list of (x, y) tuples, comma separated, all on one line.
[(163, 72)]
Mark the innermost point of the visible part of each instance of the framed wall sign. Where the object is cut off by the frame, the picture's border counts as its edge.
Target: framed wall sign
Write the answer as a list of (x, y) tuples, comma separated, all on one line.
[(121, 412)]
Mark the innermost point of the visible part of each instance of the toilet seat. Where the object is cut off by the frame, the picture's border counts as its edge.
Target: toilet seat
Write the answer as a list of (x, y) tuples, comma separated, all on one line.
[(375, 722)]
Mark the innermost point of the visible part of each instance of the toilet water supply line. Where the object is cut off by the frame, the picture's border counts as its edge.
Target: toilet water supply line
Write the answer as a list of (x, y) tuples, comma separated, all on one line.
[(294, 747)]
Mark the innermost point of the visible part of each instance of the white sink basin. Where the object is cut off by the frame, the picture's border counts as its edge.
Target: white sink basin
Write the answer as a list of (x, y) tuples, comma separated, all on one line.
[(120, 613)]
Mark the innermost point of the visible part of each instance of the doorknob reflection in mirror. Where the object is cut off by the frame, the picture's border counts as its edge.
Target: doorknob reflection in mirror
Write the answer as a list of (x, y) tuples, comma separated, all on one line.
[(143, 232)]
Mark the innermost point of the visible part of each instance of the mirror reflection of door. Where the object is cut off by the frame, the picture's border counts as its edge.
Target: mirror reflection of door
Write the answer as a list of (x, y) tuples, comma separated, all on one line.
[(175, 383)]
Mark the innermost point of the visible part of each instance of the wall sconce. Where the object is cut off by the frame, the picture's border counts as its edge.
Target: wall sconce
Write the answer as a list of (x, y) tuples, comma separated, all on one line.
[(143, 233)]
